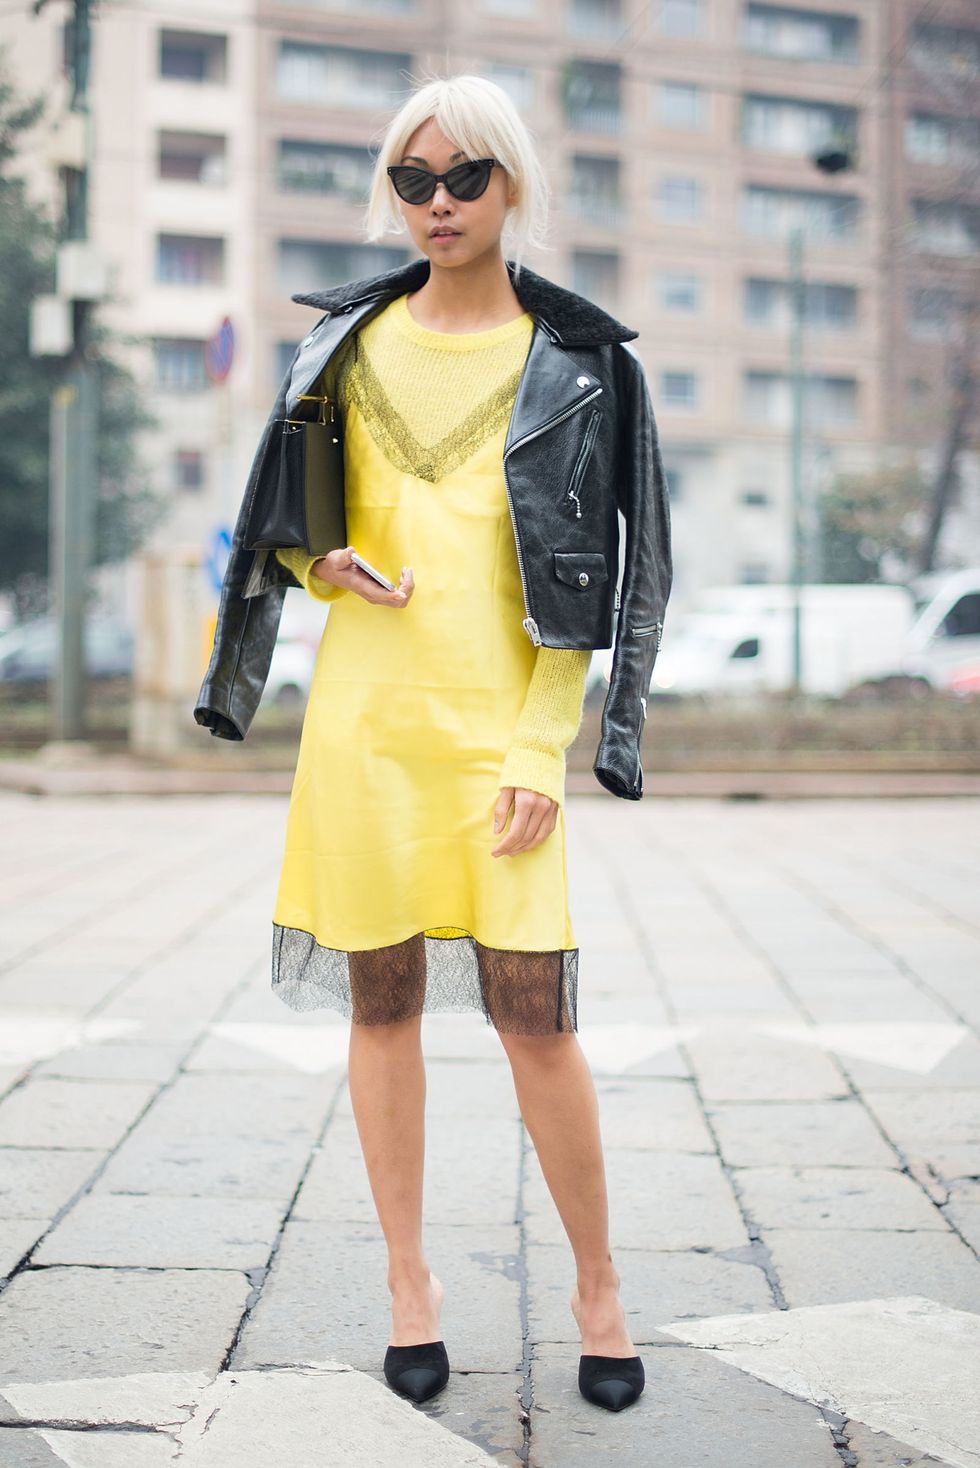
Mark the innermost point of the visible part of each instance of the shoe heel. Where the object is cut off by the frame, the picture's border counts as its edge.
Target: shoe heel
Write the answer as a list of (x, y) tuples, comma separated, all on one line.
[(613, 1382), (418, 1371)]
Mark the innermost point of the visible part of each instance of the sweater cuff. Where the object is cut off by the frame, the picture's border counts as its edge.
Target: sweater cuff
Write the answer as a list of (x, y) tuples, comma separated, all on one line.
[(297, 560), (535, 769)]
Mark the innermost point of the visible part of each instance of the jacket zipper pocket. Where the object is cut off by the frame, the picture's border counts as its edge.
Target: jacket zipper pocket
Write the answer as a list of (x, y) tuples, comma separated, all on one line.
[(647, 629), (583, 458)]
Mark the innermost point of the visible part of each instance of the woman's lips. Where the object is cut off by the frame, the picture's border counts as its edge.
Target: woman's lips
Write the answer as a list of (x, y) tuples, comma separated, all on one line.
[(453, 235)]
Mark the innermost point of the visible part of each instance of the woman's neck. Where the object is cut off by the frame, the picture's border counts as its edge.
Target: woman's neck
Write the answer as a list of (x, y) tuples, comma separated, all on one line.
[(471, 297)]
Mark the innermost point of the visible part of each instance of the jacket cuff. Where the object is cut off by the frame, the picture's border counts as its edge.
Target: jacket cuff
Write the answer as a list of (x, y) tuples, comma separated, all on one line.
[(300, 562)]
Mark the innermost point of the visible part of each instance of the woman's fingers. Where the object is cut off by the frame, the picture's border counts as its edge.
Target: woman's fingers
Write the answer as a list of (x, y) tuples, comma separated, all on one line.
[(535, 817)]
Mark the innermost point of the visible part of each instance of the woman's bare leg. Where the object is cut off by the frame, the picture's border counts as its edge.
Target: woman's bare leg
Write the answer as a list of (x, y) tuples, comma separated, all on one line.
[(560, 1108), (387, 1086)]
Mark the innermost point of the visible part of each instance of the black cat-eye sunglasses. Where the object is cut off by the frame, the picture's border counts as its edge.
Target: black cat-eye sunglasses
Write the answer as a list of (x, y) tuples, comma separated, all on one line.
[(465, 181)]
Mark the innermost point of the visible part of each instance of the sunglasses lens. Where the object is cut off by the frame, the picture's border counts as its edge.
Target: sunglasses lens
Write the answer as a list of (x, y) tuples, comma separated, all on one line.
[(468, 180), (414, 185)]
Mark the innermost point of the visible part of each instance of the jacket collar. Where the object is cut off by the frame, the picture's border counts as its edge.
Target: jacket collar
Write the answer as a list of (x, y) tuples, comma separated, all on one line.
[(568, 318)]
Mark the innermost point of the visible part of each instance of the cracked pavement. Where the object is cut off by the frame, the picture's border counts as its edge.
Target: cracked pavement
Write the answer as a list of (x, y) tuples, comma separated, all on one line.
[(779, 1001)]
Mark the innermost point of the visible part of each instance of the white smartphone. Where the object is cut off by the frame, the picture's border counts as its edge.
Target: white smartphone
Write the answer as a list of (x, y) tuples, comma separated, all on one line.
[(379, 576)]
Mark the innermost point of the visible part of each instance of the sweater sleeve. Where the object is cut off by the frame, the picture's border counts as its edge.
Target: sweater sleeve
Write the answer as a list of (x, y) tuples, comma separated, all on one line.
[(295, 559), (549, 721)]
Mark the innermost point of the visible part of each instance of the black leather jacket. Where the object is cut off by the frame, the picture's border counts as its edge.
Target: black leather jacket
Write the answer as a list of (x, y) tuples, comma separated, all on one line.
[(581, 450)]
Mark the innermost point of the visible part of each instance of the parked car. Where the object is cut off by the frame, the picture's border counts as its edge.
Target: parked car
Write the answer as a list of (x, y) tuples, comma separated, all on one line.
[(27, 650)]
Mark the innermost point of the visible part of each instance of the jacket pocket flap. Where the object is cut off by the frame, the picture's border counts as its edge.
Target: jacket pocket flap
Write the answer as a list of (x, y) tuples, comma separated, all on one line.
[(581, 568)]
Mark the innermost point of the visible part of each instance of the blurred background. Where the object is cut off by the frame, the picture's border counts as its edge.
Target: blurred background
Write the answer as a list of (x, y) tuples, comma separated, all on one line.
[(783, 199)]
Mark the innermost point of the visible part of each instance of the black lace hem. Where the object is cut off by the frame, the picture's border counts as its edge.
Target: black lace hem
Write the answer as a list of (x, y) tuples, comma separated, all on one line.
[(517, 991)]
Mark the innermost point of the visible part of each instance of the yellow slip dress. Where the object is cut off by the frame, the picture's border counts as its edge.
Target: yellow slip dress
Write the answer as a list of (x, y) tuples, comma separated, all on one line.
[(389, 902)]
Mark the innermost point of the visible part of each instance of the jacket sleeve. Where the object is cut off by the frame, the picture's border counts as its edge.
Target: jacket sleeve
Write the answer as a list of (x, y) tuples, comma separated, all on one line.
[(643, 500), (548, 722), (249, 611)]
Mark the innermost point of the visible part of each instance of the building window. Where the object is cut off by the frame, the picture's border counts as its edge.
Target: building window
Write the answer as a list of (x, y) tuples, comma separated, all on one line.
[(329, 169), (828, 402), (516, 81), (595, 192), (179, 364), (681, 17), (680, 200), (592, 96), (335, 76), (184, 259), (947, 48), (679, 290), (193, 56), (189, 469), (785, 125), (595, 275), (826, 307), (376, 7), (192, 157), (306, 265), (751, 573), (773, 212), (945, 227), (942, 140), (680, 104), (515, 9), (756, 498), (595, 17), (932, 314), (800, 35), (678, 389)]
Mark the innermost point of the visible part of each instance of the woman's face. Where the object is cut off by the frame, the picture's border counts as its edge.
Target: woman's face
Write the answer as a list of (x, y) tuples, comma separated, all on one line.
[(475, 223)]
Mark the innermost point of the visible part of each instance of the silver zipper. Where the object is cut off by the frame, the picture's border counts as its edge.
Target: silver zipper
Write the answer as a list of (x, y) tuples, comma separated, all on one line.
[(528, 623), (647, 629), (583, 457)]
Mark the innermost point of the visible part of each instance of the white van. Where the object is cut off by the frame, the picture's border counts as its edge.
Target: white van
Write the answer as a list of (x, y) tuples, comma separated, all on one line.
[(944, 643), (739, 639)]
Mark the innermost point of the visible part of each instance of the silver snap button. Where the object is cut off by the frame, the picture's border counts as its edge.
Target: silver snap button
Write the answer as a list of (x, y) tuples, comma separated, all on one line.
[(307, 341), (583, 578), (583, 381)]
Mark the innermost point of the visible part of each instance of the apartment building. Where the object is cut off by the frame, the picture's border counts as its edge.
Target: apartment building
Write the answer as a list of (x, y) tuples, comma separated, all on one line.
[(233, 147)]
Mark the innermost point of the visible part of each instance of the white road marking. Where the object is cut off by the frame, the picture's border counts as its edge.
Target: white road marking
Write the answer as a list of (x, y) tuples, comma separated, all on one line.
[(308, 1416), (311, 1048), (907, 1366), (904, 1045), (25, 1038), (616, 1047)]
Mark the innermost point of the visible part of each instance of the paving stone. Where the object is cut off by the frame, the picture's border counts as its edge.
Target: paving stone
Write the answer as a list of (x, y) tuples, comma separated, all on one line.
[(879, 1450), (35, 1182), (21, 1447), (839, 1133), (113, 1449), (115, 1062), (164, 1233), (641, 1114), (483, 1090), (58, 1324), (17, 1236), (327, 1296), (817, 1266), (655, 1286), (741, 1065), (835, 1197), (657, 1200), (48, 1112), (464, 1183), (483, 1408), (694, 1407), (214, 1165), (253, 1106), (941, 1128)]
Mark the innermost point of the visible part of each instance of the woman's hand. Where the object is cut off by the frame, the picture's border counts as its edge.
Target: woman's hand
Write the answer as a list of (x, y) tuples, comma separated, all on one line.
[(337, 569), (535, 817)]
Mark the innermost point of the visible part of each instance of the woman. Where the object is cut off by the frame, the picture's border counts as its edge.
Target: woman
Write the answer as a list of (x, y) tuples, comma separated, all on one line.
[(438, 714)]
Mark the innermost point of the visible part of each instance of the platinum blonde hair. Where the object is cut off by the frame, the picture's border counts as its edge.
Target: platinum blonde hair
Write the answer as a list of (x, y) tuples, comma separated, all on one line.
[(482, 120)]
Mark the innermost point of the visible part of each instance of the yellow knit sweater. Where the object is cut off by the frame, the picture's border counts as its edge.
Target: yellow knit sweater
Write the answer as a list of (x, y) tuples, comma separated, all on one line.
[(428, 435)]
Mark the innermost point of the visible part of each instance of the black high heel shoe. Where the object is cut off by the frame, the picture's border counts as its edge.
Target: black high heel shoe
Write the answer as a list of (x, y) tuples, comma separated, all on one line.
[(613, 1382), (417, 1371)]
